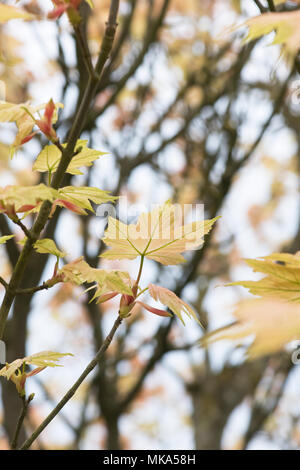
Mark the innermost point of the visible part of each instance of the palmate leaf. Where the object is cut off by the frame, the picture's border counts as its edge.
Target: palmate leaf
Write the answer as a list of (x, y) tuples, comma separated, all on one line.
[(48, 246), (170, 300), (273, 323), (22, 198), (50, 156), (282, 278), (8, 12), (41, 359), (158, 235), (79, 272), (285, 25), (77, 198), (45, 246)]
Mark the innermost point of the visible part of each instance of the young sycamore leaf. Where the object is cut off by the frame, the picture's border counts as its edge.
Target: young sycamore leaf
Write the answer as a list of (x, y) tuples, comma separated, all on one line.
[(282, 278), (273, 323), (79, 272), (49, 158), (15, 371), (78, 198), (45, 246), (285, 25), (23, 198), (23, 115), (170, 300), (158, 235), (8, 12), (5, 238)]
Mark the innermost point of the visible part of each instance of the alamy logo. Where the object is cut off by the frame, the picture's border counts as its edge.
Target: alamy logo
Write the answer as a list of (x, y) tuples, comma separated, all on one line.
[(2, 352)]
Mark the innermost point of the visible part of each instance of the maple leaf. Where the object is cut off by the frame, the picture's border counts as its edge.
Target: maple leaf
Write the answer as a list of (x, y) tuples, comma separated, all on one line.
[(8, 12), (285, 25), (23, 198), (272, 322), (49, 158), (158, 235), (15, 371), (77, 198), (45, 246), (170, 300), (282, 278), (79, 272)]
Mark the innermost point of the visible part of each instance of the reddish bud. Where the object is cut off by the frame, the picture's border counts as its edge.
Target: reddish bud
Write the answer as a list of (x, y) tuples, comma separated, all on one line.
[(126, 305)]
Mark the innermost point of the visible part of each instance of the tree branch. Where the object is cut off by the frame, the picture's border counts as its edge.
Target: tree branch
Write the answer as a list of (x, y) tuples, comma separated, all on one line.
[(91, 366), (67, 155)]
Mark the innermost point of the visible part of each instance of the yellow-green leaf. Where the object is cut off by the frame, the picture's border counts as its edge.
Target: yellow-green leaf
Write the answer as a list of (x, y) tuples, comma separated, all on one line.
[(5, 238), (273, 324), (174, 303), (22, 197), (46, 246), (285, 25), (158, 235), (80, 196), (282, 278), (50, 156), (79, 272), (41, 359)]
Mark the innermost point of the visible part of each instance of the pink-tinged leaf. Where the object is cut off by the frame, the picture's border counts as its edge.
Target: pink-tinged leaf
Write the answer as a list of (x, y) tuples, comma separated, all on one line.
[(28, 138), (105, 297), (35, 371), (156, 311), (174, 303), (70, 206)]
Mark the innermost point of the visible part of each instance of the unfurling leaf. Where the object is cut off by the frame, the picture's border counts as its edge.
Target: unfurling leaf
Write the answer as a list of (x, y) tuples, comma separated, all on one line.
[(50, 156), (170, 300), (282, 278), (25, 116), (79, 272), (77, 199), (273, 324), (8, 12), (15, 371), (158, 235), (5, 238)]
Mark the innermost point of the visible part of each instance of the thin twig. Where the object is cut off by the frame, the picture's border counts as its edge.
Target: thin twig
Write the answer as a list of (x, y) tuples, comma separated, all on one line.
[(84, 48), (271, 5), (32, 290), (18, 222), (91, 366), (260, 6), (25, 404), (4, 283)]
